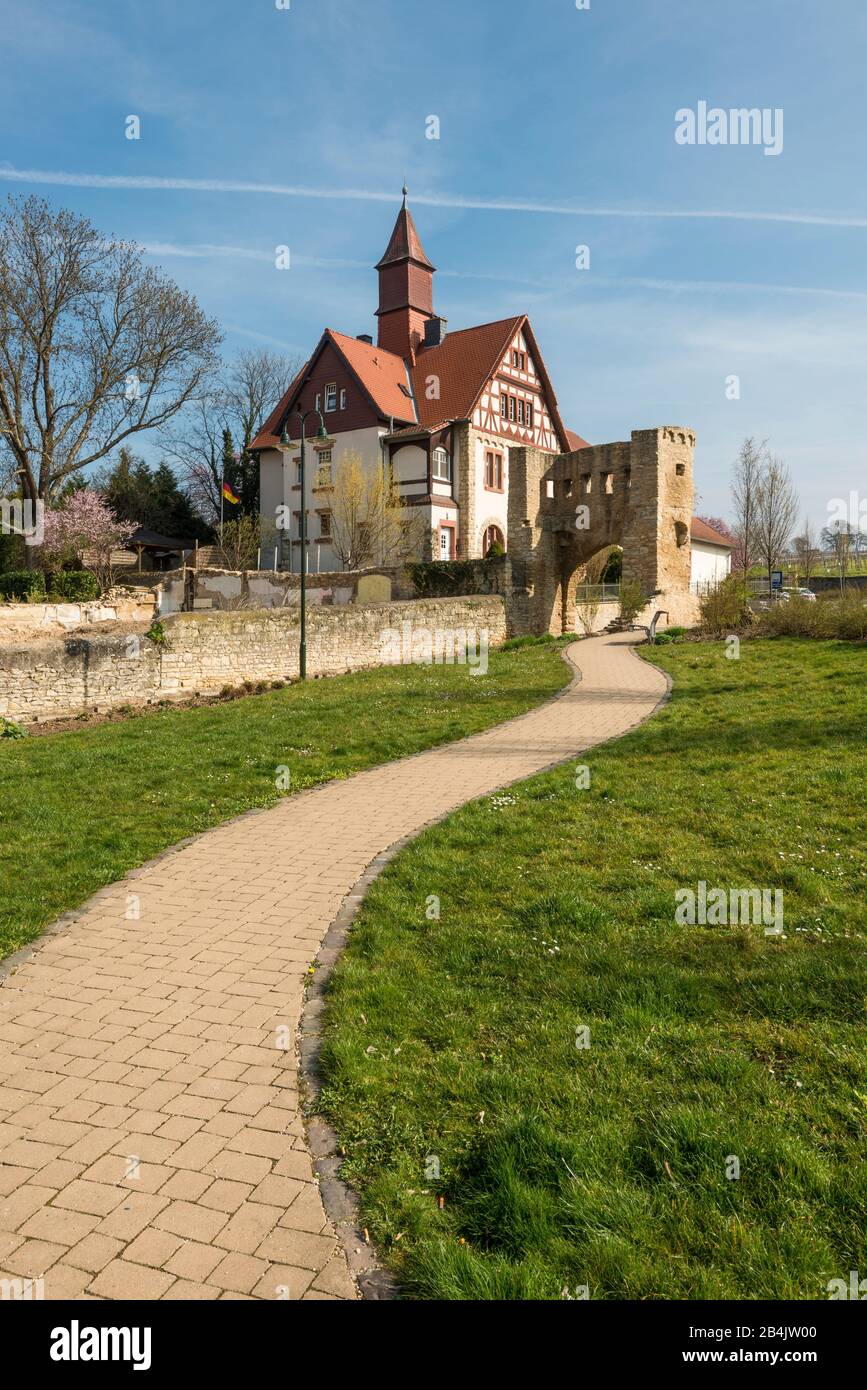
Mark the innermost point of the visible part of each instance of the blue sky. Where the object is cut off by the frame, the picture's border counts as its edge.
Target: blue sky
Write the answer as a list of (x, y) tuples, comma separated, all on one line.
[(706, 262)]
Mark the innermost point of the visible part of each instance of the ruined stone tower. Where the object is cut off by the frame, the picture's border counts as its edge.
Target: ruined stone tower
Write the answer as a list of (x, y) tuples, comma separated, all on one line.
[(637, 495)]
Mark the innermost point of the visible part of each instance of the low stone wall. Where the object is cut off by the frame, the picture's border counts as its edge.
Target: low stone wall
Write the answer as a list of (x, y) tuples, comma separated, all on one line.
[(56, 678), (243, 590), (20, 621), (205, 651)]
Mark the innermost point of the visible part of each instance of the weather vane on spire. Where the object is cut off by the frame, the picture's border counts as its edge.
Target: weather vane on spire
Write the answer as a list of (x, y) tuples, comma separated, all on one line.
[(405, 191)]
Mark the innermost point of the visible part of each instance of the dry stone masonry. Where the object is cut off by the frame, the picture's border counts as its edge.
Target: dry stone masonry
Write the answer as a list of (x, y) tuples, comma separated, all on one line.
[(201, 652), (637, 494)]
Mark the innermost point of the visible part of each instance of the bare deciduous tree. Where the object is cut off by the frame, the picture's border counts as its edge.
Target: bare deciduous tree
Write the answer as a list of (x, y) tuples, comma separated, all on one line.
[(370, 524), (746, 476), (587, 607), (807, 551), (242, 397), (240, 544), (776, 509), (94, 345), (839, 540)]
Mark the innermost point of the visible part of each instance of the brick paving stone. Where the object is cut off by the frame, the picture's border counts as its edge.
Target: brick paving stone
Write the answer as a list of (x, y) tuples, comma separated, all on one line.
[(195, 1260), (58, 1225), (226, 1196), (92, 1198), (238, 1273), (64, 1281), (335, 1280), (152, 1247), (248, 1226), (185, 1289), (196, 1152), (159, 1039), (305, 1213), (136, 1211), (191, 1220), (288, 1283), (278, 1191), (9, 1241), (185, 1186), (239, 1167), (94, 1252), (123, 1279), (23, 1202), (33, 1258), (297, 1248)]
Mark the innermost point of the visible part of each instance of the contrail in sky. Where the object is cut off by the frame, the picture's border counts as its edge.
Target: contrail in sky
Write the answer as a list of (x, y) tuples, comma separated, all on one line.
[(445, 200)]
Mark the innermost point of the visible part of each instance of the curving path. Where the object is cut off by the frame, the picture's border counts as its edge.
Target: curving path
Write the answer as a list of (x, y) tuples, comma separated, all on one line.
[(151, 1140)]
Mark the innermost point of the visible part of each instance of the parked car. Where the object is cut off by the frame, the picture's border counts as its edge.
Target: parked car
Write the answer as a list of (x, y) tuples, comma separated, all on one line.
[(807, 594)]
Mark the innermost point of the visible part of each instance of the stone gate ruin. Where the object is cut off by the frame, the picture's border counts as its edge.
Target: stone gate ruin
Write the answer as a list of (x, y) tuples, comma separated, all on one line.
[(637, 495)]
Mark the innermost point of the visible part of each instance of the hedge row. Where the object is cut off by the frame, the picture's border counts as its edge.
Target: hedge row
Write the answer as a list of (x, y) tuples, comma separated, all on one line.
[(445, 578), (35, 586)]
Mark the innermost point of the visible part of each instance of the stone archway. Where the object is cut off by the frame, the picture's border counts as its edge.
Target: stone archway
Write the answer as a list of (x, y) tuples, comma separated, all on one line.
[(562, 511), (491, 532), (588, 572)]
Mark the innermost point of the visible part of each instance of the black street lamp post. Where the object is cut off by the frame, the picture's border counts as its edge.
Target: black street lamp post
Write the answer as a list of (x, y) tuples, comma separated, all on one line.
[(286, 443)]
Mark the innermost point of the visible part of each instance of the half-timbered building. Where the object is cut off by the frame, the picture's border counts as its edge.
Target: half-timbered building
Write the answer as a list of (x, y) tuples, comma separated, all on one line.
[(441, 410)]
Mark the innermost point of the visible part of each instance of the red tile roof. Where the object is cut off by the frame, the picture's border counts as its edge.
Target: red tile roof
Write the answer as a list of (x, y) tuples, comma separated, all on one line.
[(700, 531), (463, 362), (405, 242), (383, 375), (417, 431)]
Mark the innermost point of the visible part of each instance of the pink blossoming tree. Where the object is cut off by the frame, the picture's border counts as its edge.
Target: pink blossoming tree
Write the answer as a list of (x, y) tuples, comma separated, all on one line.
[(85, 531)]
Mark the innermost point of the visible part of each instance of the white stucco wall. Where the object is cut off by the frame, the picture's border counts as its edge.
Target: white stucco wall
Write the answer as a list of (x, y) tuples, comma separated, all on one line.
[(276, 488), (409, 463), (710, 564), (492, 508)]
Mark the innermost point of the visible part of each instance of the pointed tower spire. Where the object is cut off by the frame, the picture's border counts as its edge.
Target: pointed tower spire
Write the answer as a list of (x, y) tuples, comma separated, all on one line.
[(405, 288)]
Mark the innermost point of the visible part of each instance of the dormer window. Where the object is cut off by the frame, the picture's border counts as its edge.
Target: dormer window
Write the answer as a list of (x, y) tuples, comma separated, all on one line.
[(331, 396)]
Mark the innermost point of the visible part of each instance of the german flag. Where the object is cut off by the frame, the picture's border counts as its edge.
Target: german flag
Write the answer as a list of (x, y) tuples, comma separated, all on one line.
[(229, 494)]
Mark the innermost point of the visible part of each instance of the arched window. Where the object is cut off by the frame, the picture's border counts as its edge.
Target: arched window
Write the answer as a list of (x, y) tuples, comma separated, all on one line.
[(493, 541), (442, 466)]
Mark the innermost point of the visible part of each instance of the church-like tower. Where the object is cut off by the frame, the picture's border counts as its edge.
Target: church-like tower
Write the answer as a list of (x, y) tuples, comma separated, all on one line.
[(405, 289)]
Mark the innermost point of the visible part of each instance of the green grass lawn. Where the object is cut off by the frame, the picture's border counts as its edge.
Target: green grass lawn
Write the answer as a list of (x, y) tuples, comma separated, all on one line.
[(80, 809), (451, 1043)]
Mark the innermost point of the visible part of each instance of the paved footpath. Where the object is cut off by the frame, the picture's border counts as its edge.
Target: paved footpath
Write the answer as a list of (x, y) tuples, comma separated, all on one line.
[(151, 1143)]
